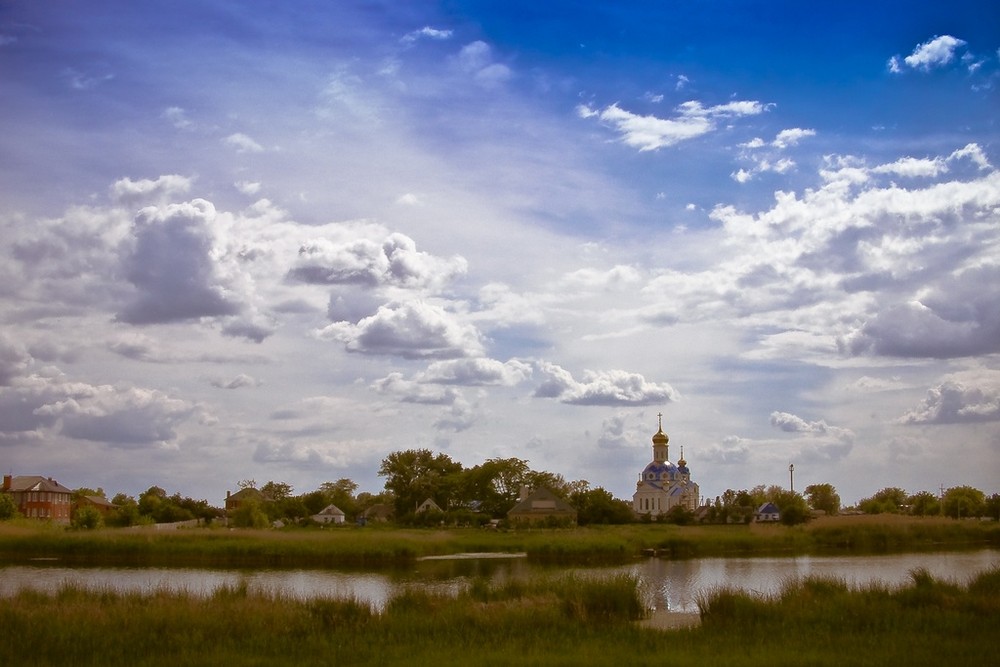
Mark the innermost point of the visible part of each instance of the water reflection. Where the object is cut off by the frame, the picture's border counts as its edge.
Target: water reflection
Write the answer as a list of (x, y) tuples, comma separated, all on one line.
[(669, 585)]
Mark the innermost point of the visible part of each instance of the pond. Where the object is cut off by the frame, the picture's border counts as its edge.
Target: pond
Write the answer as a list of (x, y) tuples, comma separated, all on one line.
[(668, 585)]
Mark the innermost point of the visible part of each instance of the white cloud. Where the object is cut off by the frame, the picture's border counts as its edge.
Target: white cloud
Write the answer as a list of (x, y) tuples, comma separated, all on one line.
[(649, 133), (121, 416), (480, 371), (243, 143), (394, 261), (935, 52), (964, 398), (410, 391), (130, 192), (426, 32), (412, 330), (790, 423), (247, 187), (608, 388), (791, 137), (171, 263)]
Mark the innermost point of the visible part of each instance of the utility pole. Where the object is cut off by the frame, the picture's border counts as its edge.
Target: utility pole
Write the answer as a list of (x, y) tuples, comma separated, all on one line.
[(791, 477)]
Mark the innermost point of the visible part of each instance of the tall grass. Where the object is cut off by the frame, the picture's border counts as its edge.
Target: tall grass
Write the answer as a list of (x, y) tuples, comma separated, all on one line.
[(378, 547), (546, 621)]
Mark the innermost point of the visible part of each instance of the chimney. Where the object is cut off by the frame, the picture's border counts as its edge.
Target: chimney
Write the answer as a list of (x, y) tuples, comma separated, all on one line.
[(7, 481)]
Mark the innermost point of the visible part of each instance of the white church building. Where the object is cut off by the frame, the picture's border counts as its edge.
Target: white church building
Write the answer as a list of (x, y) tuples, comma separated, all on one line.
[(663, 485)]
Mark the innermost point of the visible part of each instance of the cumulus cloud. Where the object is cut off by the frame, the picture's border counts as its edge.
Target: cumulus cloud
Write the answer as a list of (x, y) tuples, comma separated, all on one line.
[(955, 317), (767, 157), (964, 398), (790, 423), (121, 416), (172, 266), (935, 52), (608, 388), (396, 261), (875, 267), (412, 330), (127, 191), (791, 137), (410, 391), (477, 372), (692, 119)]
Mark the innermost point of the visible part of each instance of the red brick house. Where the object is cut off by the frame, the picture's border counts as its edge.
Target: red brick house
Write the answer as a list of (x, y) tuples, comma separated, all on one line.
[(39, 497)]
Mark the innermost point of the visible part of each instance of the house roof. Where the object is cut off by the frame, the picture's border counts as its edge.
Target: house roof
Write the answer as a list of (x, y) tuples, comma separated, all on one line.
[(542, 502), (249, 493), (768, 508), (331, 510), (36, 483), (429, 506), (99, 501)]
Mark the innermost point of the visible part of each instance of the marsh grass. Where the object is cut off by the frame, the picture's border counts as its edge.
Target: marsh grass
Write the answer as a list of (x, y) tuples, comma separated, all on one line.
[(384, 547), (542, 621)]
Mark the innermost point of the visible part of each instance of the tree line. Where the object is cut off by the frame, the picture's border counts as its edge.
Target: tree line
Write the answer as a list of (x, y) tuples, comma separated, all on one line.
[(487, 491)]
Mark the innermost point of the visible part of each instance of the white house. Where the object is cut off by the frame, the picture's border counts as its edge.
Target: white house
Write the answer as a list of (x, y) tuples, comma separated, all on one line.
[(330, 514)]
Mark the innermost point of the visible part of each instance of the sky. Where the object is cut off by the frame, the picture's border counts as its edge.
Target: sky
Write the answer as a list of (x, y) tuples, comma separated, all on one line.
[(277, 241)]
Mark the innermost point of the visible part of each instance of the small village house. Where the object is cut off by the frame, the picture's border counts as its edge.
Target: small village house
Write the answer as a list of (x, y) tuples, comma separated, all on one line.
[(330, 514), (768, 512), (541, 506)]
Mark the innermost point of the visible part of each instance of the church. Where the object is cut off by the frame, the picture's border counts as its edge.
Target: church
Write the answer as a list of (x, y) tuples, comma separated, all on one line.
[(663, 485)]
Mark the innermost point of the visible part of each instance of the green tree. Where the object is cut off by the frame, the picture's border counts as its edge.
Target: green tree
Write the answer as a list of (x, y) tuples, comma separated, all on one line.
[(889, 500), (924, 503), (961, 502), (598, 506), (249, 515), (823, 497), (495, 484), (992, 509), (126, 512), (86, 517), (793, 507), (8, 510), (277, 490), (413, 475), (339, 493)]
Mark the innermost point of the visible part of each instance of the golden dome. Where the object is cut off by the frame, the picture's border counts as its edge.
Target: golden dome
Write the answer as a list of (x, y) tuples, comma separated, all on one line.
[(660, 438)]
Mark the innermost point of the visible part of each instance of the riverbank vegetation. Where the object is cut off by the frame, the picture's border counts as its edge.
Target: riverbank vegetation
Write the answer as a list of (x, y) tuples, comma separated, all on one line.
[(547, 621), (387, 546)]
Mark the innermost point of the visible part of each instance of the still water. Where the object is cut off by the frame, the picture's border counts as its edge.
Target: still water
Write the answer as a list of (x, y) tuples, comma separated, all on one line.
[(669, 585)]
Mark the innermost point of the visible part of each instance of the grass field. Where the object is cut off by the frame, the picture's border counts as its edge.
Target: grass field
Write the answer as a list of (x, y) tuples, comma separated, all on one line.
[(384, 546)]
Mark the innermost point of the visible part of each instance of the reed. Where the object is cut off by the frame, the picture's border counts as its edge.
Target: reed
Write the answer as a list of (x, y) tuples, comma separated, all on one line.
[(383, 547), (544, 621)]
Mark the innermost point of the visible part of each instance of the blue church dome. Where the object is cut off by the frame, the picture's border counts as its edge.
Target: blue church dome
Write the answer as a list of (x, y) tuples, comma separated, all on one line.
[(659, 470)]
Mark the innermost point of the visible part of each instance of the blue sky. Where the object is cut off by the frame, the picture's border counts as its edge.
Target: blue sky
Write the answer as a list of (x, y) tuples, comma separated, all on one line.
[(278, 241)]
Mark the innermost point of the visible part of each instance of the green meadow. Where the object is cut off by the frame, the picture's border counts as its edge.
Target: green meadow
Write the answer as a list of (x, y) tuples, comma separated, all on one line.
[(385, 546)]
